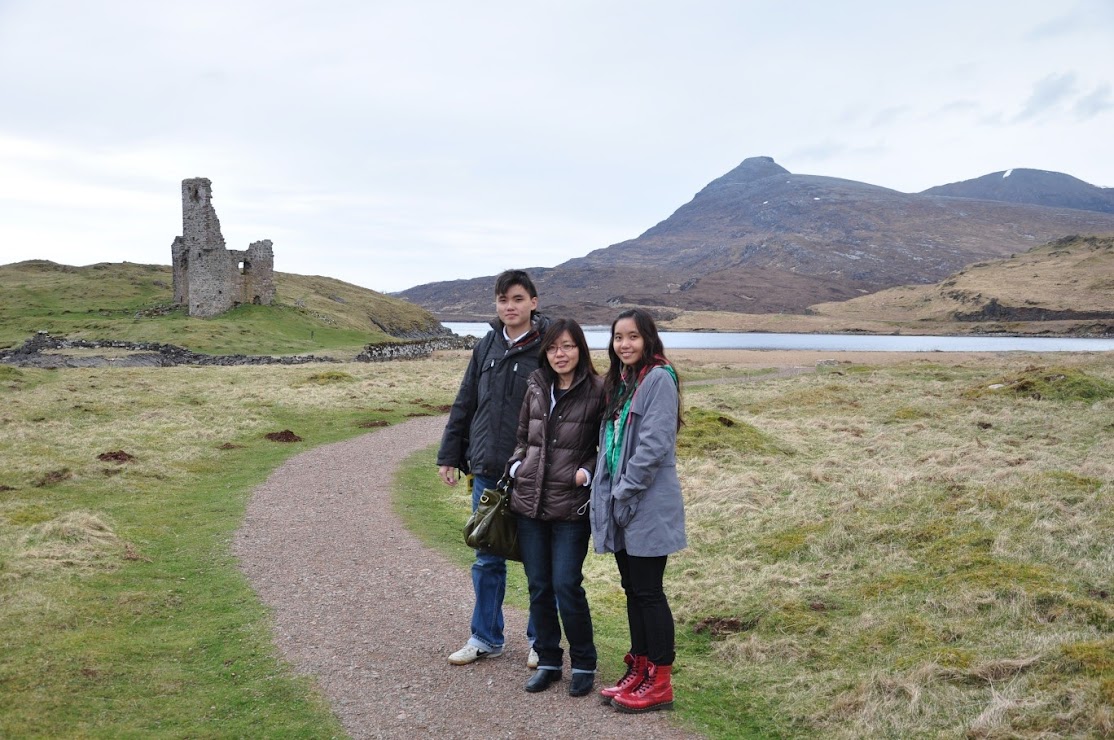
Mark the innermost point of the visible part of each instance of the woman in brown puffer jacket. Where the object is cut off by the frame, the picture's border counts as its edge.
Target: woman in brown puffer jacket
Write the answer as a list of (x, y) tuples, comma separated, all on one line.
[(552, 466)]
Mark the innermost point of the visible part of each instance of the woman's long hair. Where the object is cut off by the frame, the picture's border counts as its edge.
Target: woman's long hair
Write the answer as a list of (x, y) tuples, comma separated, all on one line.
[(584, 364), (653, 355)]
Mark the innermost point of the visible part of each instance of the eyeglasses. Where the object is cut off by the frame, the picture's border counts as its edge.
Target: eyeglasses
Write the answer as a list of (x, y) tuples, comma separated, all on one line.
[(568, 349)]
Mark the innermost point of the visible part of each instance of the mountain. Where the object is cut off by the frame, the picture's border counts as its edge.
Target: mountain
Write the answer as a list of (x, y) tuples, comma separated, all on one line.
[(761, 239), (1037, 187)]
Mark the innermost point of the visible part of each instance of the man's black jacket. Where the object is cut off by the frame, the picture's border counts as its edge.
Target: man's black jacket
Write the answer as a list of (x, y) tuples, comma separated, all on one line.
[(480, 434)]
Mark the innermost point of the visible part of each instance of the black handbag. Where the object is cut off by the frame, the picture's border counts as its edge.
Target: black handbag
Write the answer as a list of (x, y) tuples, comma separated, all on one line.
[(492, 526)]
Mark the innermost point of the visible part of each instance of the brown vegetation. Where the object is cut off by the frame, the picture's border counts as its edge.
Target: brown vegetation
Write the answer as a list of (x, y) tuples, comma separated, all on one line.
[(1065, 287)]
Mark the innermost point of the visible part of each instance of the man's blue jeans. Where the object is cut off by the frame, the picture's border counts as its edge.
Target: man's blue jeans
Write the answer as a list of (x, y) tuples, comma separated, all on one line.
[(553, 553), (489, 581)]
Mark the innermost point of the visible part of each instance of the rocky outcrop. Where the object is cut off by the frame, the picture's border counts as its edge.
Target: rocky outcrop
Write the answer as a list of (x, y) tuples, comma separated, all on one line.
[(995, 311)]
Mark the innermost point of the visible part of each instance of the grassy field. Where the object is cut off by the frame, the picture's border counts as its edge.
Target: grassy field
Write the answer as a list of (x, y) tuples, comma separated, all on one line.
[(312, 315), (122, 612), (912, 549), (917, 550)]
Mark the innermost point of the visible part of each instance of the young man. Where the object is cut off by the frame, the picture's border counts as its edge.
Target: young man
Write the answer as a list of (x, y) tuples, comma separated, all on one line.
[(480, 437)]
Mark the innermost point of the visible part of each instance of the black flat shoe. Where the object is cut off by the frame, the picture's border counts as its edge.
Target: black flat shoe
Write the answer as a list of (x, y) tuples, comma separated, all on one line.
[(541, 680), (581, 684)]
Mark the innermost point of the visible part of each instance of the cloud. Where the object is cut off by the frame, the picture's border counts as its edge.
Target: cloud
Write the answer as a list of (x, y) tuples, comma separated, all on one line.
[(1095, 102), (1060, 26), (887, 116), (397, 143), (819, 152), (957, 107), (1047, 94)]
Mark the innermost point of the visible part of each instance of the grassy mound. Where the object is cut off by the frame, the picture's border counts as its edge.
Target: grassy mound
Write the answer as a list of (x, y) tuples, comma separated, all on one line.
[(707, 432), (1050, 383), (133, 303)]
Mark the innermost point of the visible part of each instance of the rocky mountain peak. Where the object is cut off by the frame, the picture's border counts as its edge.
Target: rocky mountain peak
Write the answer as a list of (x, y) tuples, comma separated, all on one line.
[(751, 169), (760, 239)]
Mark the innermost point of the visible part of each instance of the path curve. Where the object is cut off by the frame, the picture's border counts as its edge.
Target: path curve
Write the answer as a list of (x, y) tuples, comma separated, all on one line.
[(368, 611)]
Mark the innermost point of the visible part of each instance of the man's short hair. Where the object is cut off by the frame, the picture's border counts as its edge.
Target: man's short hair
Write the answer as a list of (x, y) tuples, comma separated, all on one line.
[(510, 278)]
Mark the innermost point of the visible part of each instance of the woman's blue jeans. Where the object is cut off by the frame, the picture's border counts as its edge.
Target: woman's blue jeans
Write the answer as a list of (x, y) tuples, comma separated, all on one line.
[(553, 554)]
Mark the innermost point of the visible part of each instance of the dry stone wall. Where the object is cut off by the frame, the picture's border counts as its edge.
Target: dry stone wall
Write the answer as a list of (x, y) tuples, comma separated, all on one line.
[(413, 350)]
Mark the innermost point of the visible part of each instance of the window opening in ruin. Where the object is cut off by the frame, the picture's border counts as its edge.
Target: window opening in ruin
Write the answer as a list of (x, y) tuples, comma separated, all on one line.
[(245, 267), (257, 301)]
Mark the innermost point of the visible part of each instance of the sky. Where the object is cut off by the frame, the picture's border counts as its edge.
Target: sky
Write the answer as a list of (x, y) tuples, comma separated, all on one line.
[(390, 144)]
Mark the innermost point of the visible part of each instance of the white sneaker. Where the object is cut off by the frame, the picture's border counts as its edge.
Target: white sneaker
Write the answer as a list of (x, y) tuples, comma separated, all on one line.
[(470, 654), (532, 659)]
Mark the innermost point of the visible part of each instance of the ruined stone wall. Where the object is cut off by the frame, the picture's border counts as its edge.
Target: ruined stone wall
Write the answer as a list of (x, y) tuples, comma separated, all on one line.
[(210, 281), (180, 263), (254, 273), (208, 278)]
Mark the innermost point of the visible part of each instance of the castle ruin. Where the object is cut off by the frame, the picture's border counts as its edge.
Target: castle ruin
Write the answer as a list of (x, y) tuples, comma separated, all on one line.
[(208, 278)]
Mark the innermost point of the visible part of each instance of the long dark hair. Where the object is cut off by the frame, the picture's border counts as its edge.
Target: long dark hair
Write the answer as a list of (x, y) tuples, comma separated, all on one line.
[(584, 364), (653, 355)]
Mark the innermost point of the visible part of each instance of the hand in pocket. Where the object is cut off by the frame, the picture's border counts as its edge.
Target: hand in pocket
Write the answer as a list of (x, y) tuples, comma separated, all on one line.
[(623, 511)]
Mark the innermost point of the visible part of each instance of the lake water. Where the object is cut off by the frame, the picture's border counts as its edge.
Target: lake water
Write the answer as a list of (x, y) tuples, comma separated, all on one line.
[(598, 337)]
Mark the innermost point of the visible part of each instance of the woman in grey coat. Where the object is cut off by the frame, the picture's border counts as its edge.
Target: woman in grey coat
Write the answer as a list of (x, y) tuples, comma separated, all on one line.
[(637, 510)]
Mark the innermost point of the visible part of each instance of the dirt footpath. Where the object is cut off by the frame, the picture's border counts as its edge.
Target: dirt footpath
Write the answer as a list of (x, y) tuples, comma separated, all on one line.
[(368, 611)]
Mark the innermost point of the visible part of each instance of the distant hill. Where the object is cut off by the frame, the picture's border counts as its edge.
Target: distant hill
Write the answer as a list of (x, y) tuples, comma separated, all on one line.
[(132, 302), (1070, 279), (762, 240), (1063, 288), (1036, 187)]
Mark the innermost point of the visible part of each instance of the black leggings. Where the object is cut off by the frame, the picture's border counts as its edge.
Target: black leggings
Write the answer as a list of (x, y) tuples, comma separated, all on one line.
[(651, 621)]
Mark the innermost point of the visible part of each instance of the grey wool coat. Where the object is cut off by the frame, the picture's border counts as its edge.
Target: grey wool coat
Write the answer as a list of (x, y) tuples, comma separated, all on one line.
[(641, 510)]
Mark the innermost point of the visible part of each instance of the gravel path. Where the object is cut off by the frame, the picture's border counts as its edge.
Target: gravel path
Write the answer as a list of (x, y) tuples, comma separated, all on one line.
[(360, 604)]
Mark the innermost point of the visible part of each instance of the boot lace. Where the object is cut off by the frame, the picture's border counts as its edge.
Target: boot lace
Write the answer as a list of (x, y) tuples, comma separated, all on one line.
[(647, 683)]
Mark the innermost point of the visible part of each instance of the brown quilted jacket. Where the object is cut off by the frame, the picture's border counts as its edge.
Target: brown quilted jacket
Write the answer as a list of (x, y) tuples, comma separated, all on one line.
[(553, 446)]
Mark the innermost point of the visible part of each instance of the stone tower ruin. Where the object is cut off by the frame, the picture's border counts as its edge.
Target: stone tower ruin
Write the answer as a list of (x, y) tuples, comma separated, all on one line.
[(208, 278)]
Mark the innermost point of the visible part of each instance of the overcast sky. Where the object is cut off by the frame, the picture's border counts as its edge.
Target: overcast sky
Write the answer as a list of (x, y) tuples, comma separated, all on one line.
[(390, 144)]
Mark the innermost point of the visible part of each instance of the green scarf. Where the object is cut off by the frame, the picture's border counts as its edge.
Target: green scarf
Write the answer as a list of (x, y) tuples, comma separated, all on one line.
[(615, 425)]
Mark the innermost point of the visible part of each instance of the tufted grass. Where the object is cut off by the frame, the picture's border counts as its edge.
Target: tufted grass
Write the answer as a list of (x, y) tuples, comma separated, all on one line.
[(928, 562), (122, 611), (930, 559)]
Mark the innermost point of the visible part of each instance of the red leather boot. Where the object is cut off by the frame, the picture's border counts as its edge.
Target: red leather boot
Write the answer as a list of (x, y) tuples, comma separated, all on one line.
[(655, 692), (636, 671)]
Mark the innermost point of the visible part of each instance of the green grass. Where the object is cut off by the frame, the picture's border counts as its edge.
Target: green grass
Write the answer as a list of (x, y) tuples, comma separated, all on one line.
[(708, 432), (131, 302), (122, 611), (929, 561)]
